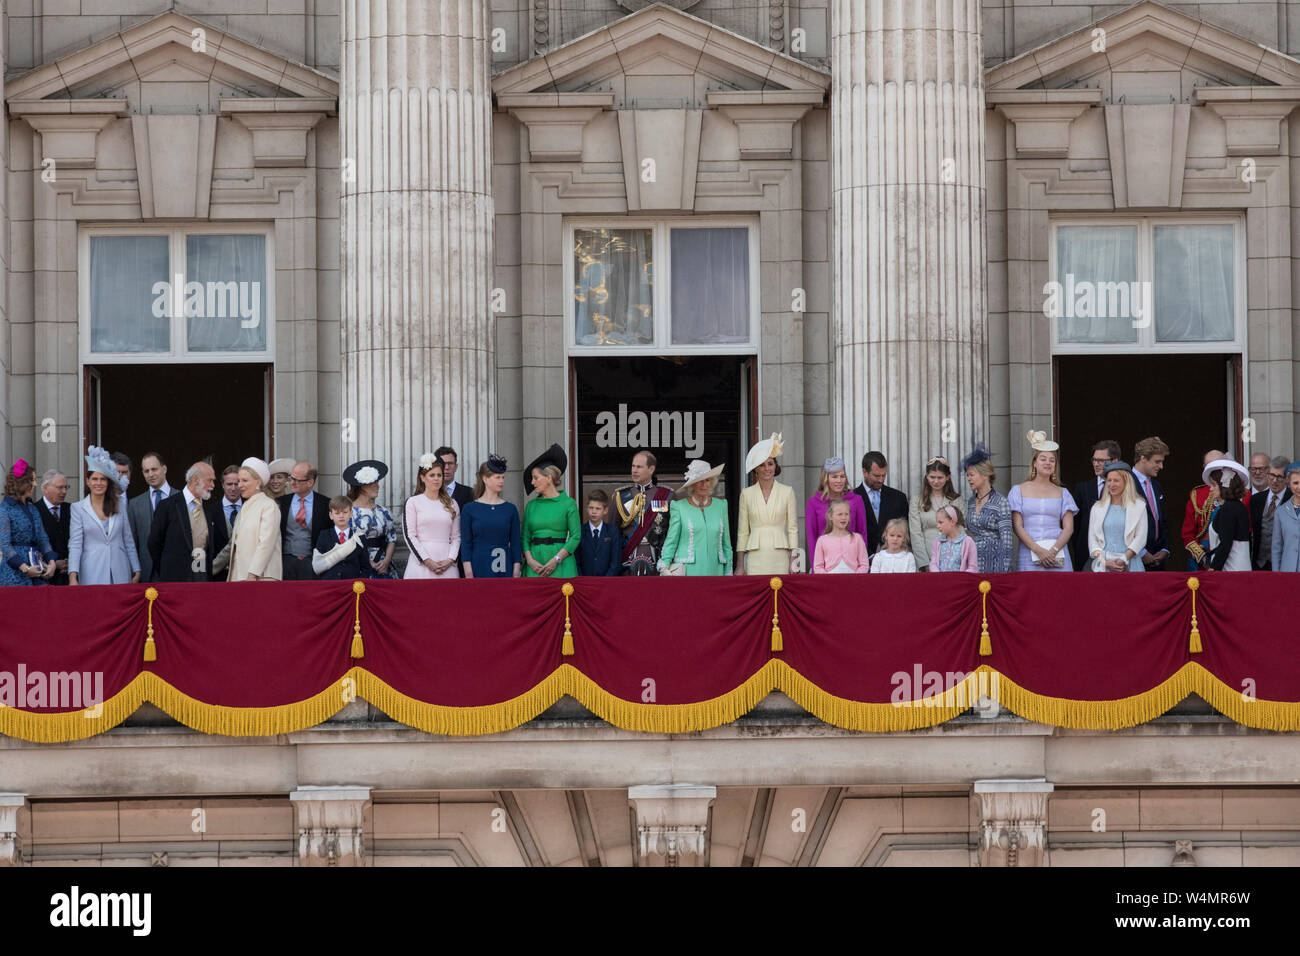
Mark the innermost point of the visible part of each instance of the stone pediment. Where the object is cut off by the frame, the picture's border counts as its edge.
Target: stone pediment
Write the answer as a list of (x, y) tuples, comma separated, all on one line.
[(673, 52), (169, 48), (1176, 52)]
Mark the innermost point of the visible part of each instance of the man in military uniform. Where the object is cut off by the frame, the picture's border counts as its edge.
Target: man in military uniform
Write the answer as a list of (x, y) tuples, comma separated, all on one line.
[(642, 516)]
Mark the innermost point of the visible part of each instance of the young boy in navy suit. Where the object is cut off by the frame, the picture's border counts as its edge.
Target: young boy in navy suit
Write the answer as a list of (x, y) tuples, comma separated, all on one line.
[(600, 551), (337, 557)]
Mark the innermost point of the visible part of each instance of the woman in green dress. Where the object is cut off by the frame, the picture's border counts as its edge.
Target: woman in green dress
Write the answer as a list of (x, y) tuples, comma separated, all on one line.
[(699, 531), (551, 528)]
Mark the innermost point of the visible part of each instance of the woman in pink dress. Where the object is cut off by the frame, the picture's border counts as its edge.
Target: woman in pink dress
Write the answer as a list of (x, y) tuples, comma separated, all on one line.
[(431, 525)]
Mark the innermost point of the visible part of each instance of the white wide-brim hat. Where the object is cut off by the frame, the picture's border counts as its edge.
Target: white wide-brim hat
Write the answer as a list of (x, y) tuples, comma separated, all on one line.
[(767, 448), (1038, 442), (282, 466), (1230, 465), (259, 468), (696, 472)]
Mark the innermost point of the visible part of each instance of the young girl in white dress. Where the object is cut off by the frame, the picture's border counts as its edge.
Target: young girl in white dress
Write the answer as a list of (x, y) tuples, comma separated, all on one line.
[(895, 557)]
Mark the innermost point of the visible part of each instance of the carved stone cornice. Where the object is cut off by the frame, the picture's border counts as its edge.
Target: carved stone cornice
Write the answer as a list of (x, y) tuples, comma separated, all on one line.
[(68, 128), (1013, 821), (1252, 115)]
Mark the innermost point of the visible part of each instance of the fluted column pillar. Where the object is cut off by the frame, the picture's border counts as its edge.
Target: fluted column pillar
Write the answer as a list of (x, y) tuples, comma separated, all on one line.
[(910, 320), (415, 107)]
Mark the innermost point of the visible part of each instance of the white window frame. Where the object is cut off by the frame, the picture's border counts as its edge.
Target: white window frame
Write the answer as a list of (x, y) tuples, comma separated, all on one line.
[(178, 352), (661, 299), (1146, 337)]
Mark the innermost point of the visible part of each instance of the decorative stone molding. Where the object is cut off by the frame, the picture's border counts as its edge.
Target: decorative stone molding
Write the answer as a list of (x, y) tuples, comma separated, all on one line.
[(670, 140), (635, 5), (173, 159), (555, 121), (11, 848), (1013, 821), (1252, 115), (279, 126), (68, 128), (776, 24), (765, 119), (1042, 123), (330, 824), (1183, 853), (541, 26), (1148, 153), (672, 822)]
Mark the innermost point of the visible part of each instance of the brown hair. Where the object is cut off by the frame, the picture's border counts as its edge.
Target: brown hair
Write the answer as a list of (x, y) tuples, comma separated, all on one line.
[(442, 489), (949, 492), (1148, 448), (341, 503), (597, 495), (480, 487), (1056, 472), (110, 493), (14, 484), (1235, 489), (753, 472)]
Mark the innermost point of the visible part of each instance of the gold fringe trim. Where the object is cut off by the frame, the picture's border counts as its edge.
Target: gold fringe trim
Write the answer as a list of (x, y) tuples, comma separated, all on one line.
[(879, 718), (1099, 714), (462, 721)]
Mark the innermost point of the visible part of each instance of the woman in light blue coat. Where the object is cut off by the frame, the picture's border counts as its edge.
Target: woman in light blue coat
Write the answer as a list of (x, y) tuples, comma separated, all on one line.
[(101, 548), (1286, 525)]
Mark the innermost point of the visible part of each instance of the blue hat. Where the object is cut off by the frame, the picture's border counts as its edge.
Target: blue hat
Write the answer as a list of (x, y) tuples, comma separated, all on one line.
[(832, 465), (976, 457), (496, 464), (1116, 466), (98, 461), (1294, 466)]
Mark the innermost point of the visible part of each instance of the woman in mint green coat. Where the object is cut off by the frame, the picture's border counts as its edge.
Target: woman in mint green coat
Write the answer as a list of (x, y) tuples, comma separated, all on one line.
[(699, 530)]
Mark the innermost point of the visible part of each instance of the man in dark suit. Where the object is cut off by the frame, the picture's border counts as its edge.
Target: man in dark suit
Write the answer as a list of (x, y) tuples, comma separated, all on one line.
[(141, 509), (1263, 504), (882, 503), (188, 529), (304, 514), (1086, 494), (461, 494), (1149, 458), (57, 519), (600, 551)]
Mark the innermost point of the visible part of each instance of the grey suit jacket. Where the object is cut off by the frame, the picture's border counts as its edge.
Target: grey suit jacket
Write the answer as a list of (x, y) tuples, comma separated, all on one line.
[(96, 557), (139, 513)]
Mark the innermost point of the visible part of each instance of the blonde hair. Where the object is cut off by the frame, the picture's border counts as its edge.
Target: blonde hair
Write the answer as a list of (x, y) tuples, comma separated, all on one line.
[(830, 510), (553, 473), (986, 469), (897, 524), (1056, 472), (1129, 495), (823, 485), (261, 486)]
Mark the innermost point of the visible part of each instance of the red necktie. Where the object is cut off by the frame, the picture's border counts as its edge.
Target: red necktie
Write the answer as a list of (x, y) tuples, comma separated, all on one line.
[(301, 516), (343, 539)]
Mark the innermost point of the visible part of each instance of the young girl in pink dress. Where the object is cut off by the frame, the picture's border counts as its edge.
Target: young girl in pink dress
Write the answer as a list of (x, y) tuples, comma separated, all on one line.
[(839, 550), (431, 524)]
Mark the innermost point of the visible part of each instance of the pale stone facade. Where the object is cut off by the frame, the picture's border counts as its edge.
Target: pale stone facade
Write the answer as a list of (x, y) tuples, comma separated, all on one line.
[(901, 165)]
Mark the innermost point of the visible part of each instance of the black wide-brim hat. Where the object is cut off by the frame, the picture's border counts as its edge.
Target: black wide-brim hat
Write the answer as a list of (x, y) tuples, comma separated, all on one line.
[(555, 455), (350, 473)]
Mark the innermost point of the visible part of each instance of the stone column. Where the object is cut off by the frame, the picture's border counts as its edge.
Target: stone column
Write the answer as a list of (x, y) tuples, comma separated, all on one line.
[(331, 825), (1013, 821), (415, 108), (672, 823), (910, 365)]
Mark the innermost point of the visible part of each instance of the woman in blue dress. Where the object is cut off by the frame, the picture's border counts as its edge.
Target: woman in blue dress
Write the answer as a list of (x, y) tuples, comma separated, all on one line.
[(988, 516), (1117, 525), (1042, 512), (22, 536), (489, 527)]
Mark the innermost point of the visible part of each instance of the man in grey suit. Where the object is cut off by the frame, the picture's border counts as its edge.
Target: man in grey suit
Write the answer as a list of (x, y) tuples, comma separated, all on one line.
[(139, 511)]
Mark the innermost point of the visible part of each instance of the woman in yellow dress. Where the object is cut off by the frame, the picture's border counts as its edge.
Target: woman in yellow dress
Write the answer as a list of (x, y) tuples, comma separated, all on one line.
[(767, 537)]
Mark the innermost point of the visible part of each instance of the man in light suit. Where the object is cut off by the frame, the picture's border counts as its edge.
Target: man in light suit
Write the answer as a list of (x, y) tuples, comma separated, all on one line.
[(882, 503), (188, 530), (141, 509), (304, 514), (1149, 458), (1086, 494)]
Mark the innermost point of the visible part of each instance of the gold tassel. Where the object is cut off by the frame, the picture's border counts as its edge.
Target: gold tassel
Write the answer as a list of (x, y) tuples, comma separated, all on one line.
[(150, 649), (986, 645), (777, 643), (566, 647), (358, 649), (1195, 644)]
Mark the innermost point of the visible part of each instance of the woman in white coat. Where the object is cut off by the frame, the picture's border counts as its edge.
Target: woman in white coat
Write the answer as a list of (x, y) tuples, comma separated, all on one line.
[(101, 548), (767, 538), (255, 546), (1117, 526)]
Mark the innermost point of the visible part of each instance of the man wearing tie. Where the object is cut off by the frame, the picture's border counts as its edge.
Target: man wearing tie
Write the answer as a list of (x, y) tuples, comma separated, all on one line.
[(600, 552), (304, 514), (1149, 455), (1262, 506), (57, 519), (1086, 494), (142, 508), (188, 530), (882, 503)]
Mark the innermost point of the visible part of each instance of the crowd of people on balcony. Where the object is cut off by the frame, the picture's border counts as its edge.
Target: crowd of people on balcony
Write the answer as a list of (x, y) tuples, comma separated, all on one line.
[(268, 522)]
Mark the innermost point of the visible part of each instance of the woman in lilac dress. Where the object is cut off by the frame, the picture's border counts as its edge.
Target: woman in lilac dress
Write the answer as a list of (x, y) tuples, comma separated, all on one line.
[(1042, 512)]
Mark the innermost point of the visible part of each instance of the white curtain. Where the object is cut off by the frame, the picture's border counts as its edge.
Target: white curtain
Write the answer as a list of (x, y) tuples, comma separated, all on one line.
[(1195, 297), (1095, 255), (123, 273), (232, 318), (613, 273), (710, 286)]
